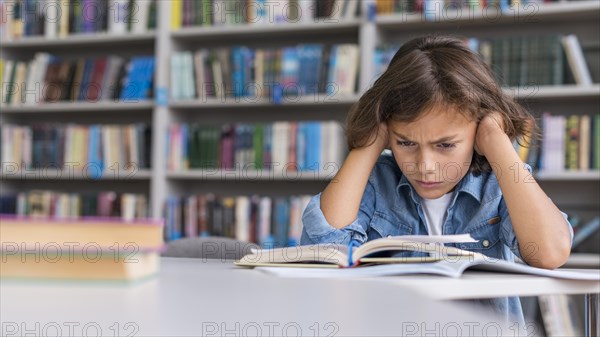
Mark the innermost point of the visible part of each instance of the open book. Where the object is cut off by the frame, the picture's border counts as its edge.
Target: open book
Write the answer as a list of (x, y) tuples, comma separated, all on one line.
[(332, 260), (449, 266), (336, 255)]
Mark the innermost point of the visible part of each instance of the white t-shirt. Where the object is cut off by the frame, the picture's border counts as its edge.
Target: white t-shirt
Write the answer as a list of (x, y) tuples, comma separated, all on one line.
[(435, 212)]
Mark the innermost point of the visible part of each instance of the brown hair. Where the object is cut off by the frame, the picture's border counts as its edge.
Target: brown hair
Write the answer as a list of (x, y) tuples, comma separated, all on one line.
[(436, 71)]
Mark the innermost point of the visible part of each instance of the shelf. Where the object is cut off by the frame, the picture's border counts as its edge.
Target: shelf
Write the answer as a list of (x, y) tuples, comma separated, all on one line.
[(530, 13), (251, 175), (62, 107), (523, 93), (81, 40), (56, 174), (264, 31), (312, 101), (592, 175), (549, 92)]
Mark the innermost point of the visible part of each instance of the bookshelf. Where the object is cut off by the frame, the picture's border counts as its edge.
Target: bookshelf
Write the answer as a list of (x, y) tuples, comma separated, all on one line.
[(252, 175), (49, 174), (320, 101), (265, 32), (558, 92), (77, 107), (449, 16), (81, 40), (579, 17)]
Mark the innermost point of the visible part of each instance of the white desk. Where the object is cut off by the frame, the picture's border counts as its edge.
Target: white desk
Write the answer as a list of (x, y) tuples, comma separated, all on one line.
[(477, 285), (195, 297)]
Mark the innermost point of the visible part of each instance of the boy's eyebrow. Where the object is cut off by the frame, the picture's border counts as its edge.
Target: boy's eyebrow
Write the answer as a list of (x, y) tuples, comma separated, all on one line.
[(440, 140)]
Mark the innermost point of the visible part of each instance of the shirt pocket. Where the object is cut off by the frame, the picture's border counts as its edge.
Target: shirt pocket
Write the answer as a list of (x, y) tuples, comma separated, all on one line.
[(487, 234), (384, 225)]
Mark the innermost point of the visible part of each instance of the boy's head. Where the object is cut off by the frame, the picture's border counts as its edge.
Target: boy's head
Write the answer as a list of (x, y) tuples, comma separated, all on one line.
[(434, 87), (434, 151)]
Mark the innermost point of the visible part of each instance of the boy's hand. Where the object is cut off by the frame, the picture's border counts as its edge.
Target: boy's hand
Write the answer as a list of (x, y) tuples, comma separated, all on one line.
[(382, 140), (489, 128)]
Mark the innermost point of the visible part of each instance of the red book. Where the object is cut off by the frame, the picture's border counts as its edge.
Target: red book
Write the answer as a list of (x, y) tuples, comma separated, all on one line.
[(292, 157), (95, 85)]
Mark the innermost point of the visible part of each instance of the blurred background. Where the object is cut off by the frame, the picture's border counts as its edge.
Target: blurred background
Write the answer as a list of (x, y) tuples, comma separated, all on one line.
[(223, 117)]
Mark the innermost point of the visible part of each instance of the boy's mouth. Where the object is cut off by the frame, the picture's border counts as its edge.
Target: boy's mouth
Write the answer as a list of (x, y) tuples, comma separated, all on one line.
[(428, 184)]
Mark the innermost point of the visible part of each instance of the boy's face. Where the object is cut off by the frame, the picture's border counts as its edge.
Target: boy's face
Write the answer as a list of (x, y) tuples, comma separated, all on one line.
[(435, 151)]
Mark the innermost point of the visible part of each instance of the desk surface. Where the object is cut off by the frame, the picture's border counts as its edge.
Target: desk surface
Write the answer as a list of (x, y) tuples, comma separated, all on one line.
[(193, 297), (476, 284)]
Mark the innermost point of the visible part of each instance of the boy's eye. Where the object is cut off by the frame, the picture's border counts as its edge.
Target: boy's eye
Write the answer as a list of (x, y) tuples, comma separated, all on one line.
[(405, 143), (446, 145)]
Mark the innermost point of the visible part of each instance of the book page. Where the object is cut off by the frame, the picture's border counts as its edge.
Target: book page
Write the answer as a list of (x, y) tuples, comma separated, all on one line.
[(432, 244), (325, 253), (455, 238)]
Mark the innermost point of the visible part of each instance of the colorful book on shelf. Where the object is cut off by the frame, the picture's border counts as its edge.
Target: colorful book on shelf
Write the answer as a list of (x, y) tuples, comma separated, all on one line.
[(242, 72), (572, 142), (222, 13), (79, 248), (245, 218), (585, 142), (568, 143), (553, 145), (57, 18), (90, 149), (285, 145), (518, 61)]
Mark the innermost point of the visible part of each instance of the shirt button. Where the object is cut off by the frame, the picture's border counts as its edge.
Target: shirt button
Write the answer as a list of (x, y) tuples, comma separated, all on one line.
[(389, 236), (486, 243)]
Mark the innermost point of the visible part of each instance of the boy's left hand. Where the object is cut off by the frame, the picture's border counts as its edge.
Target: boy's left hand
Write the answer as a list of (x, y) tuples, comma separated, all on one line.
[(488, 129)]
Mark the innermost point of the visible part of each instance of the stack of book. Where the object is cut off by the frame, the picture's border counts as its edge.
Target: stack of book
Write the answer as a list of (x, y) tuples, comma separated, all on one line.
[(255, 73), (48, 79), (267, 221), (287, 146), (569, 143), (93, 148), (104, 249), (259, 12), (520, 61), (59, 204), (61, 18)]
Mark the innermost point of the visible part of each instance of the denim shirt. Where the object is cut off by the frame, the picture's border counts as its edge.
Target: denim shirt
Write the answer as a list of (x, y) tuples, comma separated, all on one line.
[(390, 206)]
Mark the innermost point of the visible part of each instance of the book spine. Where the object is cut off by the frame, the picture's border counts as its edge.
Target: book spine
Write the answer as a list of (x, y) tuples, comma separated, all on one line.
[(53, 206), (572, 142)]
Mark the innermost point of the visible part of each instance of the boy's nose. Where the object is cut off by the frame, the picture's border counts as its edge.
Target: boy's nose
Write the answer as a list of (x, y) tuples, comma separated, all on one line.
[(427, 162)]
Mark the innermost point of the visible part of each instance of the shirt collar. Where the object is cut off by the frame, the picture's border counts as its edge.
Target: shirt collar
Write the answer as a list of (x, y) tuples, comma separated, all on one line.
[(469, 184)]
